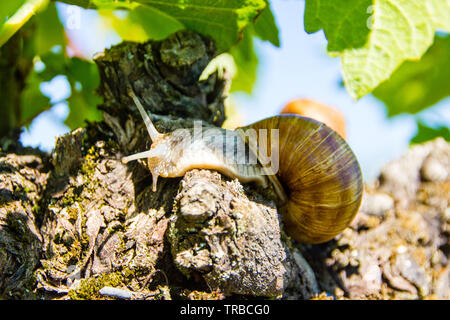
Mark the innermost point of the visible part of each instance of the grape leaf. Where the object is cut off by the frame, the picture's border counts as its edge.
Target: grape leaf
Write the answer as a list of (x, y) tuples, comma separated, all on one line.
[(161, 26), (426, 133), (399, 30), (83, 106), (50, 31), (223, 20), (246, 62), (133, 25), (83, 78), (417, 85), (266, 28), (33, 102), (344, 22)]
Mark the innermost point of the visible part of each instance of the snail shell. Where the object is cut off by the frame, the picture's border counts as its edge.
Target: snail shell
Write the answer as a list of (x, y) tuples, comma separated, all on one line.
[(320, 174), (317, 176)]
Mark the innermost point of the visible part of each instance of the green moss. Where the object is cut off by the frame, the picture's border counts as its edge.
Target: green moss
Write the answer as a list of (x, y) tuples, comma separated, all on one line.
[(73, 214), (73, 253), (36, 210), (89, 288), (27, 189)]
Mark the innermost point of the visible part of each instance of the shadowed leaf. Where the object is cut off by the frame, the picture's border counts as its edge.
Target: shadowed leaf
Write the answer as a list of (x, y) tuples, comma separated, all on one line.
[(223, 20), (344, 22), (418, 85), (426, 133)]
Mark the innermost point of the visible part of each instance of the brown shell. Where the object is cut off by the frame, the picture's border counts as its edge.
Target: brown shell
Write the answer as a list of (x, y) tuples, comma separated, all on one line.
[(320, 175)]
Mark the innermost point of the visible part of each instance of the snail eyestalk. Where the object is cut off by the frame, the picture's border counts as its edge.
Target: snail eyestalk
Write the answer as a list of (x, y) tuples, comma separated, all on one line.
[(140, 155), (154, 134)]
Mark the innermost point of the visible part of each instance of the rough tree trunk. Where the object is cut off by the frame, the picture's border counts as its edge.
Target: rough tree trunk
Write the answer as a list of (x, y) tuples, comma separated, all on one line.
[(79, 223)]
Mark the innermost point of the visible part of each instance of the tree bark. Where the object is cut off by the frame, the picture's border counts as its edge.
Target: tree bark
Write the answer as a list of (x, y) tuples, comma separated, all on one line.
[(80, 224)]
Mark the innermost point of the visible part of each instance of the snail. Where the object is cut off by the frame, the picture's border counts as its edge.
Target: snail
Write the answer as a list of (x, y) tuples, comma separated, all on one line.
[(312, 169)]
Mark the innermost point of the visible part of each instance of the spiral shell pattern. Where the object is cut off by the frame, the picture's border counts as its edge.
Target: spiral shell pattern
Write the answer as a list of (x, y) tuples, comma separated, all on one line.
[(320, 175)]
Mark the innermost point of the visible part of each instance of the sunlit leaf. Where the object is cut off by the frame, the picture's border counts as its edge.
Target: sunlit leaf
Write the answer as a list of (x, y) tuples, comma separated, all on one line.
[(399, 30), (128, 28), (266, 27), (246, 62), (223, 20), (418, 85), (134, 25), (344, 22), (161, 26)]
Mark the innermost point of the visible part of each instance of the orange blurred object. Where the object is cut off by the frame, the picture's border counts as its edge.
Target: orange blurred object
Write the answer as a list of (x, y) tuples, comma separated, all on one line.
[(317, 111)]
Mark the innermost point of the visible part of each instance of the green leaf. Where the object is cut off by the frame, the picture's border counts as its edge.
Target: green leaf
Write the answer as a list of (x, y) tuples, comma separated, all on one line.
[(8, 8), (246, 63), (83, 78), (344, 22), (418, 85), (50, 31), (440, 12), (33, 102), (86, 4), (55, 63), (161, 26), (224, 20), (83, 72), (400, 30), (82, 106), (426, 133), (266, 28)]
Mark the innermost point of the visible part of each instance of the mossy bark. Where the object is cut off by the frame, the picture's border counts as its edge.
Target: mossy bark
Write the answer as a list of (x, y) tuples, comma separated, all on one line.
[(95, 222), (79, 222)]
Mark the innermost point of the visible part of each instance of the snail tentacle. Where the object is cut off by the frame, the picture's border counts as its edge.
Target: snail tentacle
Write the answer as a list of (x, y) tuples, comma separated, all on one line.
[(154, 134), (136, 156)]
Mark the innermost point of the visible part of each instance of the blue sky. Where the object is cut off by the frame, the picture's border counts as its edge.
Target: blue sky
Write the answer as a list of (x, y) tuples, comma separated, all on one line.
[(300, 68)]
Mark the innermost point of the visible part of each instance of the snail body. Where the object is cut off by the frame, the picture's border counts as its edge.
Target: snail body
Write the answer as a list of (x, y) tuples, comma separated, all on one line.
[(173, 154), (312, 169)]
